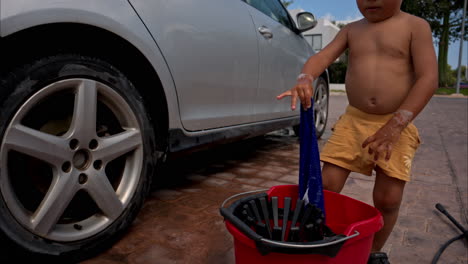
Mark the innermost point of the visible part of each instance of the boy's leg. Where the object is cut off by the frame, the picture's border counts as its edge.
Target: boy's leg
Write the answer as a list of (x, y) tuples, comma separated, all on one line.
[(334, 177), (387, 194)]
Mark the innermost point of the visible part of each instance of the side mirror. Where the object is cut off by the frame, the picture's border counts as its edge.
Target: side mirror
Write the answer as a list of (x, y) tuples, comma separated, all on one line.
[(305, 21)]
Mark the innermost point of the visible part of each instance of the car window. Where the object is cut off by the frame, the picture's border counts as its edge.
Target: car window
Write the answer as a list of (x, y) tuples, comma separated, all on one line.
[(315, 41), (273, 9)]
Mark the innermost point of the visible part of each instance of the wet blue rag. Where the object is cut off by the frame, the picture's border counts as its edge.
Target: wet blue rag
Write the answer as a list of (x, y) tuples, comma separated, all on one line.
[(310, 175)]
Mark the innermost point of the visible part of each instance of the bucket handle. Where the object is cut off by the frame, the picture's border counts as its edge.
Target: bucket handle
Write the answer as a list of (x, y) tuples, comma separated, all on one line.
[(227, 213), (302, 246), (240, 194)]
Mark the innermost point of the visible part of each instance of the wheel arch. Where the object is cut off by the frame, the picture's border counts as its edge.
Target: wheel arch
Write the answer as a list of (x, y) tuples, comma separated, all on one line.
[(88, 40)]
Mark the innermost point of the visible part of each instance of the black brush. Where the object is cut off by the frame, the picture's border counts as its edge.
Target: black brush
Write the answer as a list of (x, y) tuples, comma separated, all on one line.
[(286, 208), (277, 230)]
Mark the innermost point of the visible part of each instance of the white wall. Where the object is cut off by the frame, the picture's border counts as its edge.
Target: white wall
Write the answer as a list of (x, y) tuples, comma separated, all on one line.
[(324, 27)]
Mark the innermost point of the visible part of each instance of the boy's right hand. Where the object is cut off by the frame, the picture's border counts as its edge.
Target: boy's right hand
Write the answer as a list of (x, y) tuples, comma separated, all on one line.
[(303, 89)]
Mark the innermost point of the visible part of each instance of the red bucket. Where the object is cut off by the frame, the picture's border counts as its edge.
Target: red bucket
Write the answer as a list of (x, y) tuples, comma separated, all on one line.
[(354, 219)]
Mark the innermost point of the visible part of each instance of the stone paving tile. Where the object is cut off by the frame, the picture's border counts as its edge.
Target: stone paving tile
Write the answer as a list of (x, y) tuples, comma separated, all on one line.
[(269, 184), (213, 210), (248, 164), (413, 209), (273, 164), (251, 181), (269, 174), (191, 190), (225, 175), (291, 179), (197, 178), (102, 260), (215, 182), (148, 254), (279, 169), (198, 202), (362, 196), (409, 255), (244, 171), (247, 188), (153, 209), (216, 196), (133, 242), (295, 172), (395, 238), (418, 223), (362, 176), (166, 195), (442, 227)]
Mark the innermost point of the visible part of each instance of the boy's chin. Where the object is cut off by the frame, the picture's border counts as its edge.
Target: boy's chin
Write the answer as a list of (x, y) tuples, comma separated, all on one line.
[(376, 19)]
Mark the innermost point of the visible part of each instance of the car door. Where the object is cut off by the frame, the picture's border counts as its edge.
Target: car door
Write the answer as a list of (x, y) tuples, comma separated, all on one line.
[(211, 49), (282, 51)]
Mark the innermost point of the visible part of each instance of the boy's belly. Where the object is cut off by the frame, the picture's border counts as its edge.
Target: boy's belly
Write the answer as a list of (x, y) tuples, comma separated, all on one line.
[(377, 90)]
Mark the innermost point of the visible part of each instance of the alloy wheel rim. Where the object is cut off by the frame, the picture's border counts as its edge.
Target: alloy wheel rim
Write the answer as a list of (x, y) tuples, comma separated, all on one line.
[(104, 168), (321, 107)]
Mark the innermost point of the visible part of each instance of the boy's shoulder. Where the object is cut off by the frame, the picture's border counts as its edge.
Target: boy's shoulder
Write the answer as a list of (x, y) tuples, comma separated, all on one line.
[(414, 20), (415, 24), (355, 23)]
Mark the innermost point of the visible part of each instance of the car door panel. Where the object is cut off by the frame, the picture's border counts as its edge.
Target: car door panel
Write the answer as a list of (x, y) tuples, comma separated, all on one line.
[(218, 34), (281, 59)]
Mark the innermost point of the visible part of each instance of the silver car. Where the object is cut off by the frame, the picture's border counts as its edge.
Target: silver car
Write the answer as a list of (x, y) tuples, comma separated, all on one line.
[(94, 94)]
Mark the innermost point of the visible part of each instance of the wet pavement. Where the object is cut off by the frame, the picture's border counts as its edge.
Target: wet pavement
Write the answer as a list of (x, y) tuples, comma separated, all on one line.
[(180, 221)]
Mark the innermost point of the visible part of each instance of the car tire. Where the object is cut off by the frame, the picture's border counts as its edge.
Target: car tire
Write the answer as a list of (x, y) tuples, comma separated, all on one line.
[(76, 154), (321, 97)]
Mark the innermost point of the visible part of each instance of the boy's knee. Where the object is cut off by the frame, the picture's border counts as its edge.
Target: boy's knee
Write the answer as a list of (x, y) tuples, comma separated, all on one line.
[(330, 184), (326, 185), (333, 177), (386, 202)]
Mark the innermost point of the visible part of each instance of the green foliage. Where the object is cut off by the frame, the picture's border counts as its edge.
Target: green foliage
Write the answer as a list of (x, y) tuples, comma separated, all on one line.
[(454, 73), (445, 18), (451, 77), (463, 76), (337, 72), (287, 3), (434, 12), (450, 80), (448, 91)]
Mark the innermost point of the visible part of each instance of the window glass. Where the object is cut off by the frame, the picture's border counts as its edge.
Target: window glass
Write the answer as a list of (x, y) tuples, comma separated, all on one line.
[(315, 41), (308, 38), (273, 9)]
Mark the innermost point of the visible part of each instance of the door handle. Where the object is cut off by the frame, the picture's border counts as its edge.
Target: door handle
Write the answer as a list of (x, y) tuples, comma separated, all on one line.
[(266, 32)]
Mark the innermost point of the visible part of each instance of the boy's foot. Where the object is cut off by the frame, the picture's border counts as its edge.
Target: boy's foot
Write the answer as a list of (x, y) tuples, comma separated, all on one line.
[(378, 258)]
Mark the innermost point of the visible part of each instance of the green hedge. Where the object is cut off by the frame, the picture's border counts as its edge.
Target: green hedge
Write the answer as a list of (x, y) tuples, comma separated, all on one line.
[(337, 72)]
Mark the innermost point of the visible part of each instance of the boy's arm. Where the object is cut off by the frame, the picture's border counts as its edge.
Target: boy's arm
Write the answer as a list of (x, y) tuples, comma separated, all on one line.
[(314, 66), (425, 69), (426, 82)]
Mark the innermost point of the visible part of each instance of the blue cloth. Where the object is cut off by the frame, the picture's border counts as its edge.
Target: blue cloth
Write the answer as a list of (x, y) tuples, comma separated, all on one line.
[(310, 174)]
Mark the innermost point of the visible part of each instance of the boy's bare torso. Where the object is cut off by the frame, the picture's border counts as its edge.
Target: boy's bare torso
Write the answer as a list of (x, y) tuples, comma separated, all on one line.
[(380, 71)]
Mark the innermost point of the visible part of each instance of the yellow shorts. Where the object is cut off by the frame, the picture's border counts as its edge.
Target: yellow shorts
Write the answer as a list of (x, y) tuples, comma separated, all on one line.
[(344, 148)]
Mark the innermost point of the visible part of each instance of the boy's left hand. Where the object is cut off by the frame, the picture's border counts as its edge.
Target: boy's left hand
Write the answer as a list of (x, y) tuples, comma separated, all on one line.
[(303, 89), (381, 143)]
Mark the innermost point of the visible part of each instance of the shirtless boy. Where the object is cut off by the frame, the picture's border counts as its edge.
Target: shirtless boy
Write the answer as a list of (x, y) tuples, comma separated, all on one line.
[(392, 74)]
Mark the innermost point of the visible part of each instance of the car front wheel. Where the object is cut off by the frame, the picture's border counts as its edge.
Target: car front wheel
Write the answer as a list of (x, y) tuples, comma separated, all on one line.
[(75, 156)]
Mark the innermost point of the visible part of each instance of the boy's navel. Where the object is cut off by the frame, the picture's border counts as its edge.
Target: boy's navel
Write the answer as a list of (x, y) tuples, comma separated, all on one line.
[(373, 101)]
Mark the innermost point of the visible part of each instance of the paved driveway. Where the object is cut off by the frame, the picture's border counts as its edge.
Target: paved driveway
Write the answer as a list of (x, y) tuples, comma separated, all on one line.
[(180, 222)]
